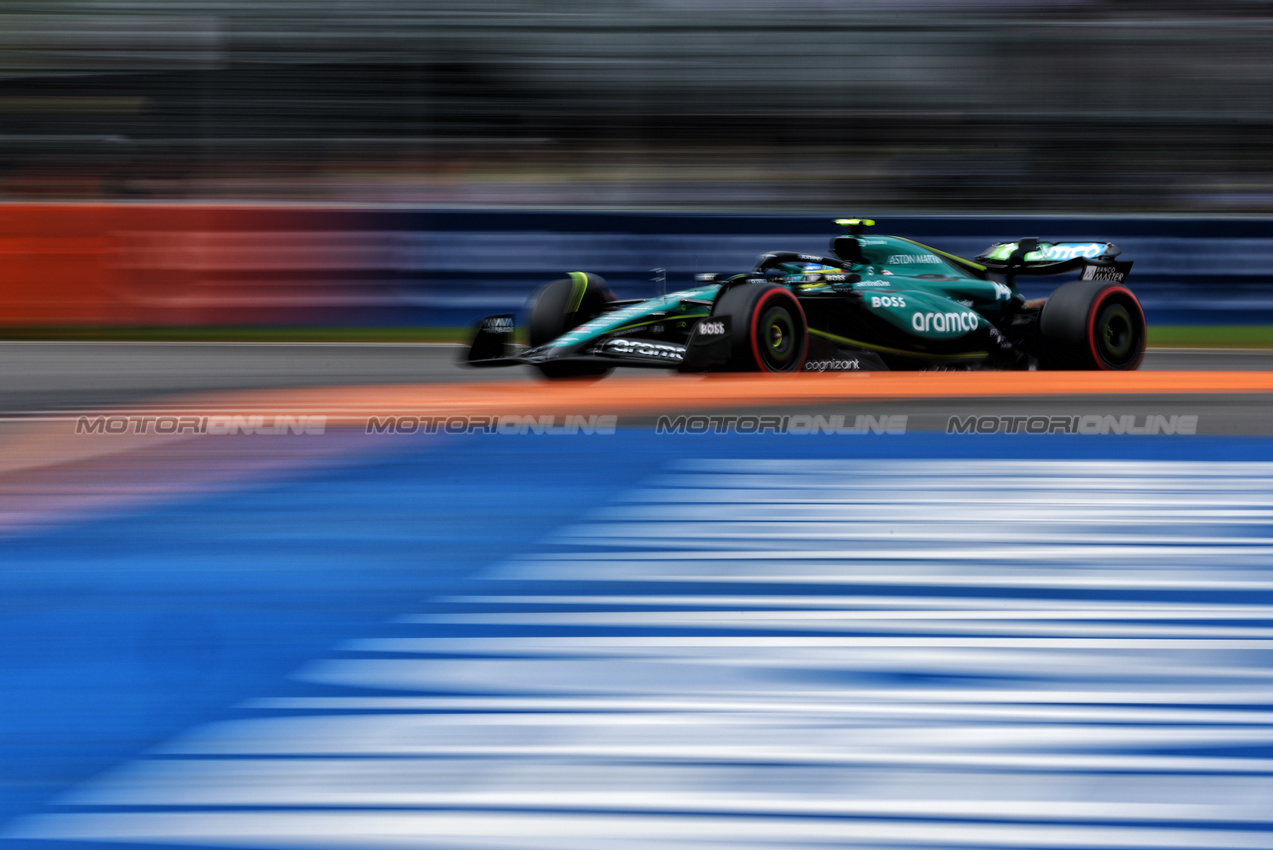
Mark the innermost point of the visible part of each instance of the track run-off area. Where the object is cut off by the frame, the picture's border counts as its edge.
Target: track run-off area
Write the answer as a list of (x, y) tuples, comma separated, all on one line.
[(621, 637)]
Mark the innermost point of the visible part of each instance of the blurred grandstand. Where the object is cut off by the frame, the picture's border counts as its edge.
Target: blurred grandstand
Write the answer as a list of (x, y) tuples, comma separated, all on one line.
[(1087, 105)]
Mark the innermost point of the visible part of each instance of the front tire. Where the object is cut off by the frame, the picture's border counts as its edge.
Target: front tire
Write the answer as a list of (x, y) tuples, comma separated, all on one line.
[(770, 332), (563, 305), (1090, 324)]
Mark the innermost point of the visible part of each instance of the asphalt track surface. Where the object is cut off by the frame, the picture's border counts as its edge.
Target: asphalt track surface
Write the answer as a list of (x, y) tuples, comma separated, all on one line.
[(73, 375)]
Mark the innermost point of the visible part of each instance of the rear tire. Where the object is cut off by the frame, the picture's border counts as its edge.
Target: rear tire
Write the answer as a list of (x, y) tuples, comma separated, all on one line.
[(770, 332), (558, 307), (1091, 324)]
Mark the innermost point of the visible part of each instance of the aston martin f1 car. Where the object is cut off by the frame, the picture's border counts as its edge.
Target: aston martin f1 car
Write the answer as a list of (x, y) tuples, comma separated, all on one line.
[(874, 303)]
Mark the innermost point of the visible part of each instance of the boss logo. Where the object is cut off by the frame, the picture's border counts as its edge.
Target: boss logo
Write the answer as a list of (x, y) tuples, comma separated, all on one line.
[(714, 328), (888, 301)]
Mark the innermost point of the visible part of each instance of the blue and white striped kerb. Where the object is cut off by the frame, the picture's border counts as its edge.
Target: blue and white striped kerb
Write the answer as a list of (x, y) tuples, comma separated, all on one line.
[(763, 653)]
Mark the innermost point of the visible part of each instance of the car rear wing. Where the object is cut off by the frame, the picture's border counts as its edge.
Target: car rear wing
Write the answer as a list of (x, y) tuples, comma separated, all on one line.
[(1033, 256)]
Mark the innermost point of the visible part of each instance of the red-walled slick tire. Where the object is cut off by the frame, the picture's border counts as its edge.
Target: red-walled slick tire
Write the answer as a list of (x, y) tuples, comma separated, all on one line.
[(1092, 324), (770, 333)]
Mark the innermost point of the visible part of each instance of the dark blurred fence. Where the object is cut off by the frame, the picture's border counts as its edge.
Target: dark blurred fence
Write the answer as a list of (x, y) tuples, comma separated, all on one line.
[(200, 264), (1049, 105)]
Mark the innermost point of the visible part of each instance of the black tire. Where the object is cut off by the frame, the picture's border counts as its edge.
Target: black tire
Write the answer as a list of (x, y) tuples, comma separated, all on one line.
[(559, 306), (770, 332), (1092, 324)]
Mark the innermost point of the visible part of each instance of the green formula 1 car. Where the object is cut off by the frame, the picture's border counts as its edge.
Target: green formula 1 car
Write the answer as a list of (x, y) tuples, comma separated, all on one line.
[(878, 302)]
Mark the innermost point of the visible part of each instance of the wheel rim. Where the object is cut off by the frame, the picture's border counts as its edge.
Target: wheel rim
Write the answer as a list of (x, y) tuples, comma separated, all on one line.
[(1116, 335), (778, 340)]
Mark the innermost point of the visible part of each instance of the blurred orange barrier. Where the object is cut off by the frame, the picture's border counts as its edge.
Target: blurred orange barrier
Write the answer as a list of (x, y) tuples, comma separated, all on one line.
[(55, 264), (153, 264)]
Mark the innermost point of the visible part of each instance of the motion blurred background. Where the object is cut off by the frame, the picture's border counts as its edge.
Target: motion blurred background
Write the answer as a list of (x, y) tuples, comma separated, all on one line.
[(315, 163), (336, 639), (1053, 105)]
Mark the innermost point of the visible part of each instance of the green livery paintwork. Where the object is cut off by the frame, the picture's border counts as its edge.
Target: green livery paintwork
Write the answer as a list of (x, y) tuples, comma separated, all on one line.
[(670, 308), (924, 316), (934, 280), (958, 261), (902, 301)]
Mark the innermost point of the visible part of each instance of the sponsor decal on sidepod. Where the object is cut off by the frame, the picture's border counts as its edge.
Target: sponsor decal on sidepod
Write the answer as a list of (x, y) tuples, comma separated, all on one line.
[(878, 301), (946, 323)]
